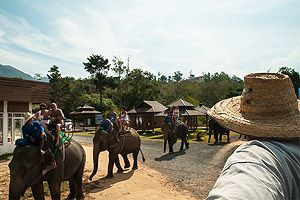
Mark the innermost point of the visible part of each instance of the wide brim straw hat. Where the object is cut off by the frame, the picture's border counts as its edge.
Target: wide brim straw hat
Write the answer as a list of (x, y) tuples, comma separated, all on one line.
[(28, 116), (267, 108)]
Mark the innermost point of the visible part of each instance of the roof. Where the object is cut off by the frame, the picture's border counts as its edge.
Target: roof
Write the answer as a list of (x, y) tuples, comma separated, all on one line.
[(148, 107), (181, 103), (19, 90), (202, 109), (85, 107), (85, 112), (192, 113)]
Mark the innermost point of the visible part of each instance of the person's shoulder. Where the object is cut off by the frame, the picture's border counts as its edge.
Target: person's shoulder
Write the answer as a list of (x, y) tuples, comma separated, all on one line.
[(36, 123)]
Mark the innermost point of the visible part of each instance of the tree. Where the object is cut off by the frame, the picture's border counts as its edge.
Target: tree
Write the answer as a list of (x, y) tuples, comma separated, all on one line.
[(98, 67), (119, 67), (294, 76), (38, 76), (191, 75), (55, 83), (139, 85), (177, 76)]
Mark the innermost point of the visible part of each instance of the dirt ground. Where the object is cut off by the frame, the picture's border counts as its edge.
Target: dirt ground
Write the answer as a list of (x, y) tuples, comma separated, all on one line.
[(143, 183)]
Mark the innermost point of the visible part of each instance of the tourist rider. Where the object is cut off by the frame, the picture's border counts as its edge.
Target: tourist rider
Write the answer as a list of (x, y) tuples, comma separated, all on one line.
[(56, 117)]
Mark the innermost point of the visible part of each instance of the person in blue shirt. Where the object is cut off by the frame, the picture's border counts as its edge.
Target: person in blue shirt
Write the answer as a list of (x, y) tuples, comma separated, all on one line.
[(33, 132)]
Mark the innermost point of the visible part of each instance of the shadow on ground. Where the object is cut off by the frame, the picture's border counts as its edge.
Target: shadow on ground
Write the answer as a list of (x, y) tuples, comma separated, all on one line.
[(170, 156), (104, 183)]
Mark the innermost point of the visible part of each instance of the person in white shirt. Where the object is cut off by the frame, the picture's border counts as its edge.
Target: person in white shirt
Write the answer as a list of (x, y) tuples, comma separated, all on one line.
[(41, 113), (268, 165)]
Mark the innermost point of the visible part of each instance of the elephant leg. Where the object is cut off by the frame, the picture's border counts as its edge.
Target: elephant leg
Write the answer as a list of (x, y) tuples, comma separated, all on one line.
[(187, 144), (54, 187), (216, 136), (220, 136), (209, 135), (126, 161), (38, 190), (228, 139), (72, 186), (111, 162), (182, 143), (170, 146), (135, 156), (78, 181), (118, 165)]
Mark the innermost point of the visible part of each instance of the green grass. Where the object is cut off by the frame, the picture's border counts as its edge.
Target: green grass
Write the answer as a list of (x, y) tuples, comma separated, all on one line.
[(5, 156)]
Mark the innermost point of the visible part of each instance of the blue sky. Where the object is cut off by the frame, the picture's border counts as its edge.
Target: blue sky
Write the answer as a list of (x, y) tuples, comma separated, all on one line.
[(237, 37)]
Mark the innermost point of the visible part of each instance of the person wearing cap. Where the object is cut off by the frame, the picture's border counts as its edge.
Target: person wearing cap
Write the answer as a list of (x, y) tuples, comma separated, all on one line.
[(268, 165), (56, 117), (33, 132)]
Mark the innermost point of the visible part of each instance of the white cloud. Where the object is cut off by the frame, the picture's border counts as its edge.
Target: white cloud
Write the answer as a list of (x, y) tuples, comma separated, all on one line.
[(237, 37)]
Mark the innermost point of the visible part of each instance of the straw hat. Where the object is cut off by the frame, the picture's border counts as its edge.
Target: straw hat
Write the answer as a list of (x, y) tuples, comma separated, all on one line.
[(28, 116), (268, 107)]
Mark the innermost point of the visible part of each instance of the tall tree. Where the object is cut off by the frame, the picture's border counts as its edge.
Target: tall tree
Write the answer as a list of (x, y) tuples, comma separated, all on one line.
[(139, 85), (55, 83), (177, 76), (98, 67), (294, 76)]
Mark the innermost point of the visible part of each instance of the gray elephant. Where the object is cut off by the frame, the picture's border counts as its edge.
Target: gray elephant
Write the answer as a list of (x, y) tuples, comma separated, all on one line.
[(27, 169), (172, 132), (129, 142)]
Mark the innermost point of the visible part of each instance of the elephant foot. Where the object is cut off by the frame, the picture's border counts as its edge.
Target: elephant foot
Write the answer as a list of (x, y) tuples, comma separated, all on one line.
[(120, 170), (70, 197), (127, 166), (180, 149), (134, 167), (80, 197), (187, 146), (109, 176)]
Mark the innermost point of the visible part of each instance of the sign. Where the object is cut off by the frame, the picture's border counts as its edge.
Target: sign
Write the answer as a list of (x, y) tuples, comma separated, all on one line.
[(98, 118)]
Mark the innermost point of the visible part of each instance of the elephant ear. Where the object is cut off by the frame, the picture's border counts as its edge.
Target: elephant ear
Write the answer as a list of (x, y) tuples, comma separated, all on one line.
[(47, 160)]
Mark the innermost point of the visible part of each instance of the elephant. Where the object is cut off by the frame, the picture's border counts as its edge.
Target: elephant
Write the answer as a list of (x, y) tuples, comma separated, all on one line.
[(217, 129), (28, 165), (173, 131), (129, 142)]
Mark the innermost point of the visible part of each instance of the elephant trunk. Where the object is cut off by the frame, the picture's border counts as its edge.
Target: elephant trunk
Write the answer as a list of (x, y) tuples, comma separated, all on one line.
[(95, 160), (165, 145)]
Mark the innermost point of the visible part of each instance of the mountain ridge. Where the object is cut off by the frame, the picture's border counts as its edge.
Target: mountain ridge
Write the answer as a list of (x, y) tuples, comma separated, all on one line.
[(12, 72)]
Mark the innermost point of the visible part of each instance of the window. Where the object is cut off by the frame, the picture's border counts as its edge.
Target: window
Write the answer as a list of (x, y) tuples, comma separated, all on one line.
[(15, 123)]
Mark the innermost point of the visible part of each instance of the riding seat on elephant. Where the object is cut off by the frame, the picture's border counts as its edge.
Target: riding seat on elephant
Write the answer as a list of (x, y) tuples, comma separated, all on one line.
[(128, 142), (172, 131), (28, 169)]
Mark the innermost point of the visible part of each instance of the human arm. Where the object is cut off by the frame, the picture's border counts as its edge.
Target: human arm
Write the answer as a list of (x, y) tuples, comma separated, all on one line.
[(260, 170)]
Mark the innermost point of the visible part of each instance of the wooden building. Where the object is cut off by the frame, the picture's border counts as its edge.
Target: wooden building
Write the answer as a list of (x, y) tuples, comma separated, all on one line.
[(189, 113), (143, 116), (16, 98), (86, 116)]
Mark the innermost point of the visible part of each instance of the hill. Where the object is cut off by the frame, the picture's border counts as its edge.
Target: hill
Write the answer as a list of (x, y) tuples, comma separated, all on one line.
[(11, 72)]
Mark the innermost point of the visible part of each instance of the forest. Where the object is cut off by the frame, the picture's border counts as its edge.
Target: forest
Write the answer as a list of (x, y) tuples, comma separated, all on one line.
[(113, 84)]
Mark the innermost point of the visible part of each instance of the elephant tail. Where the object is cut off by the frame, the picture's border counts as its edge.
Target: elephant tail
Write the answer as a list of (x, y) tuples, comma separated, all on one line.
[(143, 158)]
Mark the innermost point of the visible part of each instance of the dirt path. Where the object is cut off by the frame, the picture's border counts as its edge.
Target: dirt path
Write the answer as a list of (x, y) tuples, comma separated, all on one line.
[(143, 183)]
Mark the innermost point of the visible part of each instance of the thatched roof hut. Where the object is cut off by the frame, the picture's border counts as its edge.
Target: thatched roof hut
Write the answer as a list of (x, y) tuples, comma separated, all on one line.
[(143, 116)]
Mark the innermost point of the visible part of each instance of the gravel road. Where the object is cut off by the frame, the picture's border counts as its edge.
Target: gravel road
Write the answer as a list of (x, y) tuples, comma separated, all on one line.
[(195, 169)]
